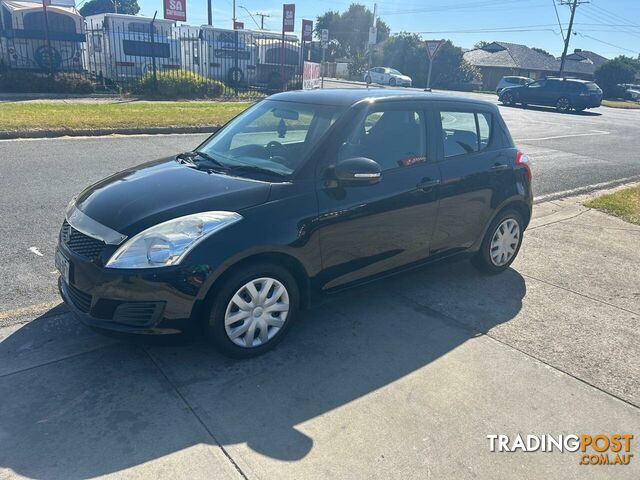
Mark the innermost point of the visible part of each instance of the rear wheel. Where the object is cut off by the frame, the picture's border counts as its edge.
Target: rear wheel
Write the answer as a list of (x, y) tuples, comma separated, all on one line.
[(253, 310), (501, 243), (563, 105)]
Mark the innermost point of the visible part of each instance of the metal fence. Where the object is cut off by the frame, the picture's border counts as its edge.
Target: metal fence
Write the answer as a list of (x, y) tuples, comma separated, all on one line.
[(133, 54)]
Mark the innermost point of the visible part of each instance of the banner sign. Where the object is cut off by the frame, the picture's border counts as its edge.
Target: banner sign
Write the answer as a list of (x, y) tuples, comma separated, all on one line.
[(311, 76), (373, 35), (307, 30), (433, 46), (238, 25), (175, 10), (288, 17)]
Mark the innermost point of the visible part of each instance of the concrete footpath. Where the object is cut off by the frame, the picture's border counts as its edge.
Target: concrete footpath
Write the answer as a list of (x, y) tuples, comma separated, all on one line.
[(402, 379)]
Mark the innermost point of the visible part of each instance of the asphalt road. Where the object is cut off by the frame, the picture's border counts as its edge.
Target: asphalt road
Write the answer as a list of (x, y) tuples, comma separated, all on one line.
[(38, 177)]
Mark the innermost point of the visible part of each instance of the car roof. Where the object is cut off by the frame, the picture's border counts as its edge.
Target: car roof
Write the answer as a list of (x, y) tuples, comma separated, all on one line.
[(577, 80), (351, 96)]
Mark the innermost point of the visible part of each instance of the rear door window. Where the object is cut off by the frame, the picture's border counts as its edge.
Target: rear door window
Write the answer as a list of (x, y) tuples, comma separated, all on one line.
[(394, 138), (465, 132)]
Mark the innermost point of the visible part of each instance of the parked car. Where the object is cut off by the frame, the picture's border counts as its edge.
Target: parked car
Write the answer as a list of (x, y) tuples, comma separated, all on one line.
[(631, 91), (387, 76), (563, 93), (512, 82), (303, 195)]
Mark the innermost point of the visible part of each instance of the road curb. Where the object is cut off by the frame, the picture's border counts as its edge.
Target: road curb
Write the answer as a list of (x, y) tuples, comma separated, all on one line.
[(100, 132)]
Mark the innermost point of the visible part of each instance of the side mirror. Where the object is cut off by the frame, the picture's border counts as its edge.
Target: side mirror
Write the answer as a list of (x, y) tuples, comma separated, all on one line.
[(357, 171)]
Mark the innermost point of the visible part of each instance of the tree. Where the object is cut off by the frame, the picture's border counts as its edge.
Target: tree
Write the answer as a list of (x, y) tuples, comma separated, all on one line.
[(481, 44), (93, 7), (542, 51), (407, 52), (350, 29), (619, 70)]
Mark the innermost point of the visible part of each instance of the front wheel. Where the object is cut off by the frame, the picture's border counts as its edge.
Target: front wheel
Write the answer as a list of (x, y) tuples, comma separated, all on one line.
[(392, 82), (507, 99), (563, 105), (501, 243), (253, 309), (367, 79)]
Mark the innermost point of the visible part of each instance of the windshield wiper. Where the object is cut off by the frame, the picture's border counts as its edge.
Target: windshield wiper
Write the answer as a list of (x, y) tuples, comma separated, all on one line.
[(188, 157), (256, 169)]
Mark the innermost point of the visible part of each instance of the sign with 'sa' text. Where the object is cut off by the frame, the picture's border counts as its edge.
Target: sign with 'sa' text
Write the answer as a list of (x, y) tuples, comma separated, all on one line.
[(433, 46), (175, 10), (288, 17), (307, 30)]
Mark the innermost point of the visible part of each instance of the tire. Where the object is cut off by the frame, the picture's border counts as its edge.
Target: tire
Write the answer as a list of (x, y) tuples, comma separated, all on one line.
[(483, 260), (563, 105), (367, 79), (235, 76), (392, 82), (507, 99), (250, 320)]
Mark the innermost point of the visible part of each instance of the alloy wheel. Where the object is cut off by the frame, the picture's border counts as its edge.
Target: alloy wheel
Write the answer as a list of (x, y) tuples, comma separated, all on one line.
[(504, 242), (563, 104), (507, 99), (256, 312)]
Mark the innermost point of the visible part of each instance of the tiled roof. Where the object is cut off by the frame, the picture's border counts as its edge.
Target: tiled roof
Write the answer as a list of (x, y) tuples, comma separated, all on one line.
[(511, 55), (583, 61)]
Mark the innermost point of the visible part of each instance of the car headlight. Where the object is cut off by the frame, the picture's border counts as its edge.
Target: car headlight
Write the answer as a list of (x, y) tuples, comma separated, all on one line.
[(169, 242)]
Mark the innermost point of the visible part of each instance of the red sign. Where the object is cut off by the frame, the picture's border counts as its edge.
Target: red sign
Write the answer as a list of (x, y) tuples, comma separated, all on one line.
[(238, 25), (175, 10), (288, 17), (307, 30)]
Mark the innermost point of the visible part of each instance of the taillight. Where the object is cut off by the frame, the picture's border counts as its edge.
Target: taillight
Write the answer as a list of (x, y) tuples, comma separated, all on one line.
[(523, 161)]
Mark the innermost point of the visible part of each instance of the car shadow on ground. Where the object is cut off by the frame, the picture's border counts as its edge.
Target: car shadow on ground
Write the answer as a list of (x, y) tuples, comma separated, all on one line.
[(104, 405), (584, 113)]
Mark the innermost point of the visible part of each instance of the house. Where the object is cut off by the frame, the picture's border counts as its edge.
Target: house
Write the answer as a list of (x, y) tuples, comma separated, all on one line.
[(583, 64), (498, 59)]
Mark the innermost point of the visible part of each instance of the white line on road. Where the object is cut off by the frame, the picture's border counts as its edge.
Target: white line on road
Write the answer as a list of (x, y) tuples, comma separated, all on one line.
[(592, 133), (585, 189), (36, 251)]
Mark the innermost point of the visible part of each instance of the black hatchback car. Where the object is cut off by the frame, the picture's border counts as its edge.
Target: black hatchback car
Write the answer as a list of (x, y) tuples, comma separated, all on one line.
[(562, 93), (304, 194)]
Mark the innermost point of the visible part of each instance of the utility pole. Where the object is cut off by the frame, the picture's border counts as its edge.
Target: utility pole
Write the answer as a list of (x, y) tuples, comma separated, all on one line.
[(262, 17), (209, 13), (574, 5)]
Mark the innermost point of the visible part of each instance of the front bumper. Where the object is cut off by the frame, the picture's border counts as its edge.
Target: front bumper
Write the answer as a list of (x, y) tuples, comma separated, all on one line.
[(152, 302)]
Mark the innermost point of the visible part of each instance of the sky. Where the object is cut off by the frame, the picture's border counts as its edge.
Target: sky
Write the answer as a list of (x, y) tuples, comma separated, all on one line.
[(607, 27)]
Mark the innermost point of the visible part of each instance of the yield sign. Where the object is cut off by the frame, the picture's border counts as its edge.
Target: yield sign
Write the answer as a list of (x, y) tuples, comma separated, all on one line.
[(433, 46)]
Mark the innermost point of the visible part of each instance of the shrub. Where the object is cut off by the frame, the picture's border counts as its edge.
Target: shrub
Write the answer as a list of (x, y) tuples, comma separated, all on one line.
[(173, 84), (22, 81), (609, 75)]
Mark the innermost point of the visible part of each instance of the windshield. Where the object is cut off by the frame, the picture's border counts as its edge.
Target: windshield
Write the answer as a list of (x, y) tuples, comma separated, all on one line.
[(272, 136), (394, 71)]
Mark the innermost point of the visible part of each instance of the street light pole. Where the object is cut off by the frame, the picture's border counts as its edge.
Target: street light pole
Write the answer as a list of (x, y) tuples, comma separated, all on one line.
[(209, 13)]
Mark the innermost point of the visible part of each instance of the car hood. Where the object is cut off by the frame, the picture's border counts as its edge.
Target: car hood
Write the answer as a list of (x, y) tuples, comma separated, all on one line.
[(143, 196), (401, 77)]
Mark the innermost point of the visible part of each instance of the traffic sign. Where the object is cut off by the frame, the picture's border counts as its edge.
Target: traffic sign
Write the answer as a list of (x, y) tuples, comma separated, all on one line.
[(373, 35), (324, 37), (433, 46)]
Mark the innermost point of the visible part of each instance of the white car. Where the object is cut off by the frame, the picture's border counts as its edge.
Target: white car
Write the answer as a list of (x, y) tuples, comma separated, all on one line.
[(387, 76), (512, 82)]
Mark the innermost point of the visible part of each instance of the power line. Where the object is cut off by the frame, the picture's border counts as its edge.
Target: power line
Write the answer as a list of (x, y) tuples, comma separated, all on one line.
[(555, 7), (607, 43)]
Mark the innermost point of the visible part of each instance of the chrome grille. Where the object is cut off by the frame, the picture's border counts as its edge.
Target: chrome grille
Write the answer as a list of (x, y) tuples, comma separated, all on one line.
[(80, 243)]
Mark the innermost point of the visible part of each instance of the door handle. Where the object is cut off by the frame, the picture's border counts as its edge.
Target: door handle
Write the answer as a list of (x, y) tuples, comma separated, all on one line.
[(500, 166), (428, 183)]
